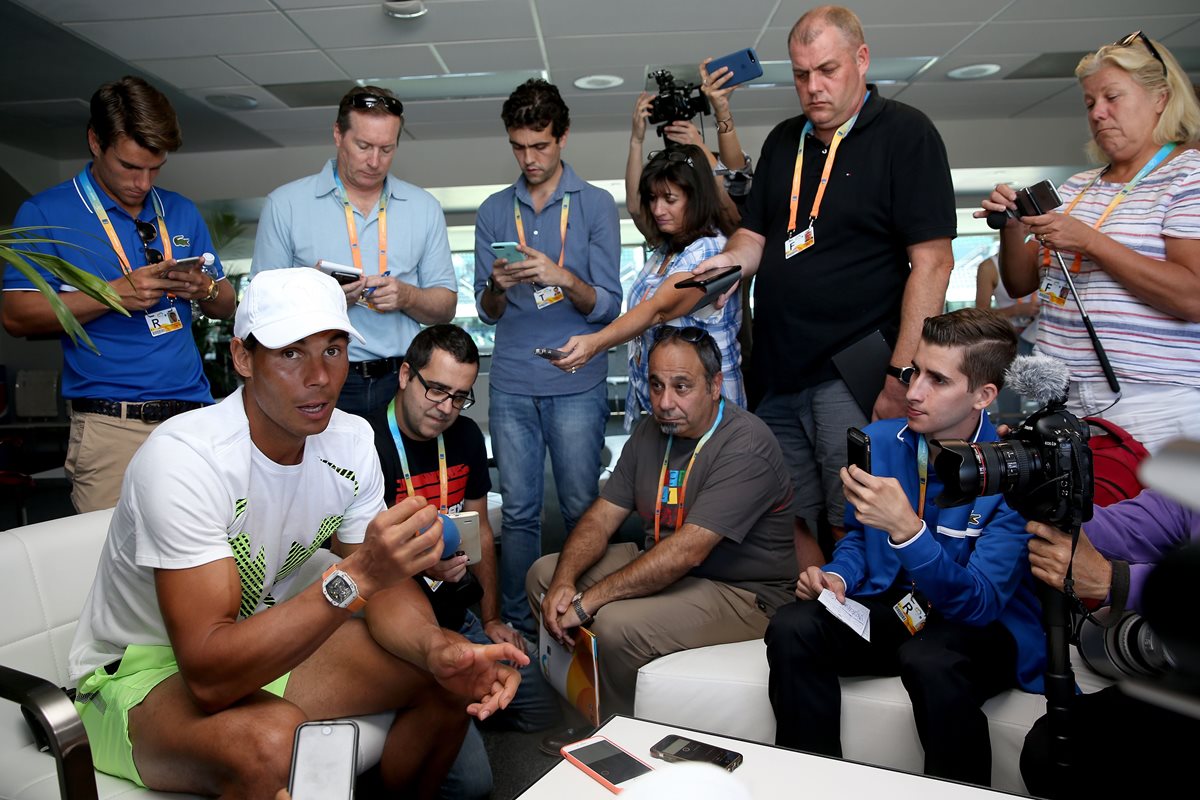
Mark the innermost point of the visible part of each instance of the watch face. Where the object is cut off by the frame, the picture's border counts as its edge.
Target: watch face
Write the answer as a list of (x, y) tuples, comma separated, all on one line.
[(339, 590)]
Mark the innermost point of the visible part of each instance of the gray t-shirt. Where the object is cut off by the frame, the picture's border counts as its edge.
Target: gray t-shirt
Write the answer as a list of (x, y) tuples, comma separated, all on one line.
[(739, 489)]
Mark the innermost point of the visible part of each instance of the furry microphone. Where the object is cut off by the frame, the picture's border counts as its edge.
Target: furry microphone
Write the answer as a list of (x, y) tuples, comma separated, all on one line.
[(1043, 378)]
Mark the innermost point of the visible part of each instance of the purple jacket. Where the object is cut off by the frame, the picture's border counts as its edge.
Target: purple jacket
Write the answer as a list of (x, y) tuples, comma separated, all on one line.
[(1142, 530)]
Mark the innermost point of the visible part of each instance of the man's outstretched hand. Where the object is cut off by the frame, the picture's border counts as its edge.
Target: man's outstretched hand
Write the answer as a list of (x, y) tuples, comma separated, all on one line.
[(477, 671)]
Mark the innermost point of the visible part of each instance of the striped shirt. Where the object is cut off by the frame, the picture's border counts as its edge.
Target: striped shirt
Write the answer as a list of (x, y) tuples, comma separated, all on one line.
[(1143, 343), (722, 325)]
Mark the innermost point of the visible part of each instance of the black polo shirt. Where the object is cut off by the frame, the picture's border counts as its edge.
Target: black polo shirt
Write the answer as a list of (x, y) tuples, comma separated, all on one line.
[(890, 188)]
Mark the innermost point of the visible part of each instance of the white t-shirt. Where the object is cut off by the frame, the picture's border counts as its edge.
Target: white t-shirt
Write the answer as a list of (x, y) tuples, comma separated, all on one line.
[(198, 491)]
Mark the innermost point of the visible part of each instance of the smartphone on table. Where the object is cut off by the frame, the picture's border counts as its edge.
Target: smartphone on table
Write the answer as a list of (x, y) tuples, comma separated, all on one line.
[(679, 748), (508, 251), (858, 449), (324, 760), (605, 762), (744, 65)]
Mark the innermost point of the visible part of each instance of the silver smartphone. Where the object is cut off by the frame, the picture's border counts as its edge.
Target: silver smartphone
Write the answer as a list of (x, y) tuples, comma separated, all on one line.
[(468, 531), (324, 760)]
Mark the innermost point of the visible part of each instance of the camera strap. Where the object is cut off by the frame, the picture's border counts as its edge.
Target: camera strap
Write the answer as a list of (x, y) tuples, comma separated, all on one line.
[(838, 136), (1149, 166)]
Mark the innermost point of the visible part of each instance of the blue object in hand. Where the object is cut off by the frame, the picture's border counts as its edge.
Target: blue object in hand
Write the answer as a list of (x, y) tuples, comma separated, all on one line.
[(451, 538)]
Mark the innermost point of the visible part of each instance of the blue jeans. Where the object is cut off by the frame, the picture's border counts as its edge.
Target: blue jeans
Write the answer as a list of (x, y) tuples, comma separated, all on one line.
[(470, 777), (523, 428), (363, 395)]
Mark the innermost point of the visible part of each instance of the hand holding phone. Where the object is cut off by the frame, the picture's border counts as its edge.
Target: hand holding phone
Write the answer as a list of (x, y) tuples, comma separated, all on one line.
[(713, 284), (677, 748), (341, 273), (324, 760), (549, 353), (605, 762), (743, 66), (508, 251)]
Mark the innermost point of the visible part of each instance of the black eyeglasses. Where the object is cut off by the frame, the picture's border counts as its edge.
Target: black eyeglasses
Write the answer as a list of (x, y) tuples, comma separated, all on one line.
[(148, 234), (1133, 38), (366, 100), (438, 395), (672, 157), (691, 334)]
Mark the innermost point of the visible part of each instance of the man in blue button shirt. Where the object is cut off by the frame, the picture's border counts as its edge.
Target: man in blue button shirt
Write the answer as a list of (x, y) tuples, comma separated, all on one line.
[(114, 223), (568, 284), (355, 214)]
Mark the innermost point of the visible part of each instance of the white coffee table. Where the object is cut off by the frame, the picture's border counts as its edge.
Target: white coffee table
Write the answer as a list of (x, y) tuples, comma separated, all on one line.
[(768, 772)]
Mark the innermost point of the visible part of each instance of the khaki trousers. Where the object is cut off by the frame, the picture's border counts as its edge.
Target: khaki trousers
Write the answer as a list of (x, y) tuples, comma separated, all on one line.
[(692, 612), (98, 452)]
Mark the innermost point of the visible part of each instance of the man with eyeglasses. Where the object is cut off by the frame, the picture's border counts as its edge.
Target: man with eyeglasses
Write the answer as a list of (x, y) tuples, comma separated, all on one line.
[(111, 221), (353, 213), (427, 448), (708, 481)]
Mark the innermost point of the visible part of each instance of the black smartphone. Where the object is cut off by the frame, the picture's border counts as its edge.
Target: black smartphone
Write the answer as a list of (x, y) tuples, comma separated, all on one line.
[(678, 748), (744, 65), (858, 449), (1037, 199), (324, 760), (710, 278), (549, 353)]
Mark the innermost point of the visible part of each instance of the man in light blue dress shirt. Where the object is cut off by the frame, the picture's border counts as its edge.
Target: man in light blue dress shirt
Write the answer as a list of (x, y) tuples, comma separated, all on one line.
[(567, 284), (355, 214)]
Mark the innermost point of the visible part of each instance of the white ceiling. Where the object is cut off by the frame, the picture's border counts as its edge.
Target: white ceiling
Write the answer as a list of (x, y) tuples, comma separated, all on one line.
[(194, 50)]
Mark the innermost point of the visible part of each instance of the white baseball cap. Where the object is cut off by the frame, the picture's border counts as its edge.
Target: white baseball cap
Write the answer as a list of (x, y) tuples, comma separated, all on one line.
[(282, 306)]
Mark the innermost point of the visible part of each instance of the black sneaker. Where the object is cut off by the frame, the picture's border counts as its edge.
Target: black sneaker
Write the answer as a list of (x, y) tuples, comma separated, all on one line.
[(552, 743)]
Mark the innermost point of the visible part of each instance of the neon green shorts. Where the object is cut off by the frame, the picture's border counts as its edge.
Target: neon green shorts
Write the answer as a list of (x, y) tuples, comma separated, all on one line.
[(104, 700)]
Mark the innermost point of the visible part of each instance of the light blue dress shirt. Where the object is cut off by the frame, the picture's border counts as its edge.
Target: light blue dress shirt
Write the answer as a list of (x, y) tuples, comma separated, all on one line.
[(304, 221)]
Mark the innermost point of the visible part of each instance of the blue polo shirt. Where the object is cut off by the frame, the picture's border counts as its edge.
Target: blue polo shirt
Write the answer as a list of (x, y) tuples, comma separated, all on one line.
[(132, 365), (304, 222), (593, 254)]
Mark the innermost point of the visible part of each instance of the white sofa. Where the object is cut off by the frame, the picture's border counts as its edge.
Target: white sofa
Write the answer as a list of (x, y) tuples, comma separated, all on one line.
[(723, 689), (46, 571)]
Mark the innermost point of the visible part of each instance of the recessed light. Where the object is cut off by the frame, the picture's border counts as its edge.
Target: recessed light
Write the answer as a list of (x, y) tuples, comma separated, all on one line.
[(973, 72), (595, 82), (405, 9), (232, 102)]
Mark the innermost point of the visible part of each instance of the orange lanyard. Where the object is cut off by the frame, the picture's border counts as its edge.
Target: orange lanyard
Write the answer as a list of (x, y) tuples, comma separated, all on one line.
[(562, 223), (352, 228), (663, 489), (794, 201), (106, 223), (1162, 153), (443, 479)]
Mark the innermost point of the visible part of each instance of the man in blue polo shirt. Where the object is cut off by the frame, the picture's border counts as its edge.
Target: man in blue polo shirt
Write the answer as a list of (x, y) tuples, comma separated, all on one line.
[(567, 284), (355, 214), (114, 223)]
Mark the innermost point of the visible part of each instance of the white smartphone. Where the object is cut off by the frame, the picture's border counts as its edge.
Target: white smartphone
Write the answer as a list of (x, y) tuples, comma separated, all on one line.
[(324, 760), (605, 762), (341, 273), (468, 531)]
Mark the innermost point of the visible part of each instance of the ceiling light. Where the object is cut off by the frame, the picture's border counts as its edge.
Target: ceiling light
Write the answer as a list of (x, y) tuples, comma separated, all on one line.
[(405, 9), (595, 82), (232, 102), (973, 72)]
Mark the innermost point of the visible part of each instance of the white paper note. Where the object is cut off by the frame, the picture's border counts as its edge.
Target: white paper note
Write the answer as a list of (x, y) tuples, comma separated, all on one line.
[(852, 612)]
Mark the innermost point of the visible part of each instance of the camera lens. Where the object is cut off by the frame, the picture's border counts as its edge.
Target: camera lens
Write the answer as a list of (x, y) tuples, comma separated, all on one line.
[(1129, 648)]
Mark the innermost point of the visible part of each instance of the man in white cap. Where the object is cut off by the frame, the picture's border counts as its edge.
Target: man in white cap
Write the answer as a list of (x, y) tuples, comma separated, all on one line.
[(209, 634)]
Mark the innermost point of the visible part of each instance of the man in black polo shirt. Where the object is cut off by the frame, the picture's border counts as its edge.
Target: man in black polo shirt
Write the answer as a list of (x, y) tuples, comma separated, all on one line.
[(863, 246)]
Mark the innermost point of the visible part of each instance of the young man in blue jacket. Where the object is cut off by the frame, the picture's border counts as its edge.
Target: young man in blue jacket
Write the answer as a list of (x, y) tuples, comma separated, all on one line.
[(949, 590)]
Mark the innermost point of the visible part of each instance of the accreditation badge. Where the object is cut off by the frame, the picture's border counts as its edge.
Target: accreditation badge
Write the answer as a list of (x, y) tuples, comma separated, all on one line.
[(910, 613), (1054, 290), (164, 321), (547, 296), (800, 242)]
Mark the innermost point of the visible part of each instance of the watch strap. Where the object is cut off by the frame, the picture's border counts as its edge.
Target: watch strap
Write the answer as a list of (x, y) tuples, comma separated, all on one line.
[(902, 374), (577, 603), (354, 606), (493, 288)]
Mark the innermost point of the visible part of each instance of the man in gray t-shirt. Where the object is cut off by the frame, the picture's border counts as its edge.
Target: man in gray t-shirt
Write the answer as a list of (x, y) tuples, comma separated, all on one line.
[(709, 482)]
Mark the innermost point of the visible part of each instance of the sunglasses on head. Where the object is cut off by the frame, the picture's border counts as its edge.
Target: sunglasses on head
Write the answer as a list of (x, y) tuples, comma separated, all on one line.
[(366, 100), (148, 233), (1133, 38), (691, 334), (672, 157)]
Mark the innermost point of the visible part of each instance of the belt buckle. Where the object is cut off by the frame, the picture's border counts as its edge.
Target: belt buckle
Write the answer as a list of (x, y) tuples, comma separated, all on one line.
[(151, 411)]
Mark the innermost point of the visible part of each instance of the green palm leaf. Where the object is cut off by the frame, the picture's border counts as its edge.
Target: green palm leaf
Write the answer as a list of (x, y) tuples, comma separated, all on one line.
[(26, 262)]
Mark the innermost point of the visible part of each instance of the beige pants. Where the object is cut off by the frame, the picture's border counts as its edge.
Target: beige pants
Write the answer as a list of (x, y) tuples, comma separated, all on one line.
[(98, 453), (692, 612)]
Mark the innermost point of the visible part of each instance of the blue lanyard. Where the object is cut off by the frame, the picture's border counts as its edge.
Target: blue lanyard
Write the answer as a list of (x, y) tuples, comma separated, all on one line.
[(98, 209), (443, 479)]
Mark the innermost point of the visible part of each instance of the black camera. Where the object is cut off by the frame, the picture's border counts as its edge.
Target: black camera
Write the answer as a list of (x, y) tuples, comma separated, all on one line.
[(1031, 201), (1126, 649), (1044, 468), (675, 101)]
